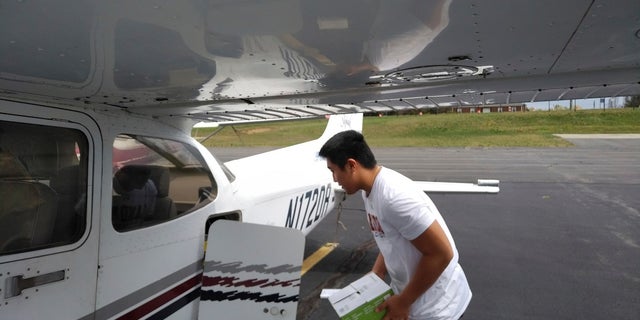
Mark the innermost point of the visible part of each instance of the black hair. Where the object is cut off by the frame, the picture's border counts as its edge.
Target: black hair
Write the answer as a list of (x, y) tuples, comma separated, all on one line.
[(346, 145)]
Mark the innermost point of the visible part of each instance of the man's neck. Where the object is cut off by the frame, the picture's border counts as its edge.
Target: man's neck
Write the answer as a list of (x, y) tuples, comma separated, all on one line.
[(370, 179)]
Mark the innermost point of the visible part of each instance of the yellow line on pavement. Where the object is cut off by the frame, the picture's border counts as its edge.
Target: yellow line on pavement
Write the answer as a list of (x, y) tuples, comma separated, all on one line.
[(313, 259)]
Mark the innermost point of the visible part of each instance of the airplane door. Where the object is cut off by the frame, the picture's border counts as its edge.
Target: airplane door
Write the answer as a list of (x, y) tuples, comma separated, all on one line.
[(48, 243), (251, 272)]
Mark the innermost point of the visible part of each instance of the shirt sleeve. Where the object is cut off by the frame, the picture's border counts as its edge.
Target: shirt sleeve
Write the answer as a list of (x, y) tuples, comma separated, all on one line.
[(410, 213)]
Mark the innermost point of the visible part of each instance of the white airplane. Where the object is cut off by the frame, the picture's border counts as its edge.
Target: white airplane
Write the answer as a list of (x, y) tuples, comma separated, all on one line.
[(107, 204)]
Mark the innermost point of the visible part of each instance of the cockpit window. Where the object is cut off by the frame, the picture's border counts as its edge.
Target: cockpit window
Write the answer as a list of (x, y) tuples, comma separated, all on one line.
[(156, 180), (43, 186)]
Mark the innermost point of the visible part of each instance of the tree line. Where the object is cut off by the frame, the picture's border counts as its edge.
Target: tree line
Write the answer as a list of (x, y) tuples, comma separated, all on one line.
[(632, 102)]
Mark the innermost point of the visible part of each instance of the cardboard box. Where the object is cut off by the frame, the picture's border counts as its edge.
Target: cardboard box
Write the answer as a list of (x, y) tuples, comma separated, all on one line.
[(358, 300)]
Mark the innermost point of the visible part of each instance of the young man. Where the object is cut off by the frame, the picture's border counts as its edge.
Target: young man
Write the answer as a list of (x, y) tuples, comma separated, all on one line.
[(416, 247)]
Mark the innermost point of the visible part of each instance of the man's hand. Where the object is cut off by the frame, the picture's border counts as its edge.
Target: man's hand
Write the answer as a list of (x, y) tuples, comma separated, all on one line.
[(397, 308), (436, 255)]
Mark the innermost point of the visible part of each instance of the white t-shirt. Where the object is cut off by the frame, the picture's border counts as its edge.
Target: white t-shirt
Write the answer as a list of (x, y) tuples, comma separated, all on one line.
[(398, 212)]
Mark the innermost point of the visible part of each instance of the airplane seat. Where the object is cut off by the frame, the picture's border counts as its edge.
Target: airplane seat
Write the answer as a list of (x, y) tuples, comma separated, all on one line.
[(45, 215), (141, 194), (71, 189), (28, 208), (27, 215), (134, 196), (165, 207)]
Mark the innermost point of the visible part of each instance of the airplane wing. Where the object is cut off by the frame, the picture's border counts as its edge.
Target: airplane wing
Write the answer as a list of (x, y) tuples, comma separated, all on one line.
[(226, 62)]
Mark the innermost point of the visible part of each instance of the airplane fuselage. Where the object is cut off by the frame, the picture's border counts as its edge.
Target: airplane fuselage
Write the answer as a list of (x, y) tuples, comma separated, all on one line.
[(128, 201)]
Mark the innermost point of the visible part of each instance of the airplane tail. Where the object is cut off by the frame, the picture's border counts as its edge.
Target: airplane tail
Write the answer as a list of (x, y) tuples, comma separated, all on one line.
[(306, 150), (342, 122), (291, 186)]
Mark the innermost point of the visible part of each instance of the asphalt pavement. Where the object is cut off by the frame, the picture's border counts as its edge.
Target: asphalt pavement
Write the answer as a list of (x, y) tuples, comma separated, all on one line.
[(561, 240)]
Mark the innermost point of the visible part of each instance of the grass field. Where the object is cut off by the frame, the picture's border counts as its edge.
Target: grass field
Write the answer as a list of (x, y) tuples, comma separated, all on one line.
[(522, 129)]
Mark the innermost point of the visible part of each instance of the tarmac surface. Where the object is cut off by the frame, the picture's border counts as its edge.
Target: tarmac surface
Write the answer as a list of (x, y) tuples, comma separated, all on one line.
[(560, 241)]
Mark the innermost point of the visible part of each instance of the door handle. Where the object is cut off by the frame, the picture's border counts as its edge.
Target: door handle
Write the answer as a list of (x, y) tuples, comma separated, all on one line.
[(14, 285)]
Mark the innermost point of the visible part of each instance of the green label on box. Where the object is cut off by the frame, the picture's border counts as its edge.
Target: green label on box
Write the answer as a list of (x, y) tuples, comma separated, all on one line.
[(367, 311)]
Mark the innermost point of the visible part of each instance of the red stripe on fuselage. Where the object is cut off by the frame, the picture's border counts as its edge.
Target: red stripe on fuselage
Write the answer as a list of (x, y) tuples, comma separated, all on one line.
[(162, 299)]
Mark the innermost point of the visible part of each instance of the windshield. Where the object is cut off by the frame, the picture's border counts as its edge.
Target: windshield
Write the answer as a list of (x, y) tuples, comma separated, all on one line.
[(131, 149)]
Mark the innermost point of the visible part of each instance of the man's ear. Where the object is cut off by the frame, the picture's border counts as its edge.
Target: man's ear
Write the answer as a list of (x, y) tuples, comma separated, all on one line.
[(351, 164)]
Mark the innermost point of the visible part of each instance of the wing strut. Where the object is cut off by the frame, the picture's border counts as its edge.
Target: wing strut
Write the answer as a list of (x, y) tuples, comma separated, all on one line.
[(211, 134)]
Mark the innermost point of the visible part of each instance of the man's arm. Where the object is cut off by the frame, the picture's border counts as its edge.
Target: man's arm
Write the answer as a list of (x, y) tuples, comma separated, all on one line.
[(436, 255), (379, 268)]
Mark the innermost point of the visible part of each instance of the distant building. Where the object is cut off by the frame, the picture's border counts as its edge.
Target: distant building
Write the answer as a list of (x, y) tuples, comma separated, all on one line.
[(490, 108)]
